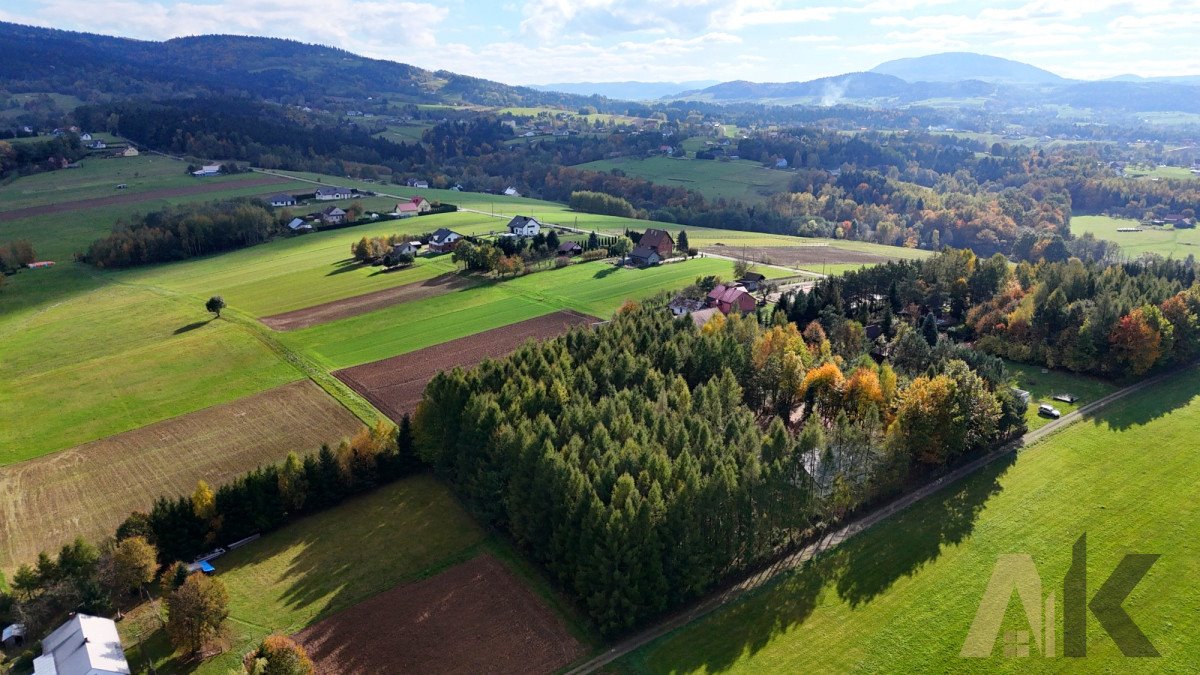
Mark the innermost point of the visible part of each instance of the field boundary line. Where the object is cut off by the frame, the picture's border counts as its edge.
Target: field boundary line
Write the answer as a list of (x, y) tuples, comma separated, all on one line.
[(757, 579)]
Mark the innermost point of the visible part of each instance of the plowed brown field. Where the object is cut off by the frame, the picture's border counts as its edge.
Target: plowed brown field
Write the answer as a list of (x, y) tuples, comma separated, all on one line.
[(476, 617), (89, 489), (395, 385)]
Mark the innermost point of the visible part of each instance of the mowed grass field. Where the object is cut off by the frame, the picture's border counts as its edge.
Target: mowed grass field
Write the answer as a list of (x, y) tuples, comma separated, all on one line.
[(1165, 241), (118, 357), (593, 288), (323, 563), (742, 180), (901, 596), (1043, 386), (89, 489)]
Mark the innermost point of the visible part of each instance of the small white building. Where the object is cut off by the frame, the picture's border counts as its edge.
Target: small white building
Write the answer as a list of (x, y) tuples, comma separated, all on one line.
[(282, 199), (299, 225), (208, 170), (525, 226), (84, 645), (511, 192)]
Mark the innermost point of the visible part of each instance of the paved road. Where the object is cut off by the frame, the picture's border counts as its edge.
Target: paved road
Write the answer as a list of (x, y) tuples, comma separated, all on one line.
[(736, 590)]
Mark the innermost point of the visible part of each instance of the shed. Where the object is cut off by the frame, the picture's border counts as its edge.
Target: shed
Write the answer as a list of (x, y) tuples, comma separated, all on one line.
[(84, 644), (202, 566)]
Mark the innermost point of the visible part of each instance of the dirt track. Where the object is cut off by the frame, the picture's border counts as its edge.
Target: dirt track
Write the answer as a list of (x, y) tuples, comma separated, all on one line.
[(128, 197), (367, 302), (796, 255), (395, 385), (476, 617)]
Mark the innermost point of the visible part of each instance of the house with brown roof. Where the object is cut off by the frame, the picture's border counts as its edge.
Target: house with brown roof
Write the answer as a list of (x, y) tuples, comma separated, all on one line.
[(731, 299), (644, 256), (332, 216), (570, 248), (659, 240)]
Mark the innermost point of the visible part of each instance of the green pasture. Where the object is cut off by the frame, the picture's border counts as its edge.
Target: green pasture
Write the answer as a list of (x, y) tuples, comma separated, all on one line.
[(901, 596), (594, 288), (318, 565), (741, 180), (1159, 171), (99, 176), (103, 358), (404, 133), (1160, 240), (1043, 386)]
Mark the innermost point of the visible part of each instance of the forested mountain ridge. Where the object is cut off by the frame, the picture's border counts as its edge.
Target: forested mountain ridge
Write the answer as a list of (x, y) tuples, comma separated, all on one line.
[(99, 67)]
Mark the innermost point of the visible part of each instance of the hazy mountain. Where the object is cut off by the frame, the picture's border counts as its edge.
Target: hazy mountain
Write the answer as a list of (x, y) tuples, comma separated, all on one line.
[(628, 91), (1173, 79), (98, 67), (958, 66), (849, 88)]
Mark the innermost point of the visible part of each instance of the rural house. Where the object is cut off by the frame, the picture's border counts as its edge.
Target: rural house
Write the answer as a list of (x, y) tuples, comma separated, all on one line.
[(85, 136), (333, 216), (98, 145), (405, 248), (207, 170), (731, 299), (407, 209), (659, 240), (569, 248), (644, 256), (299, 225), (282, 200), (511, 192), (752, 280), (127, 152), (328, 193), (422, 204), (525, 226), (443, 240), (84, 645), (681, 305)]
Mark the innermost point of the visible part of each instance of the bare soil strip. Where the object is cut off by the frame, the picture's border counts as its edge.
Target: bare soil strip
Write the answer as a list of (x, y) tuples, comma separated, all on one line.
[(134, 197), (476, 617), (796, 255), (88, 490), (394, 386), (367, 302)]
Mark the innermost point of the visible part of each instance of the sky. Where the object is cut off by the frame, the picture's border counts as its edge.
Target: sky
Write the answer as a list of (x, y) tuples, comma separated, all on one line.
[(544, 41)]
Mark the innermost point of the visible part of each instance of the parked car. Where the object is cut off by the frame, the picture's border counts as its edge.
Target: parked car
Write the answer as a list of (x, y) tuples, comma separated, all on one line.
[(122, 186), (1047, 410)]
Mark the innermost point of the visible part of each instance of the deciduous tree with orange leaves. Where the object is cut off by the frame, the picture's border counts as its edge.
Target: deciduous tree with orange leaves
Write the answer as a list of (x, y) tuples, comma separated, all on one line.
[(1135, 343)]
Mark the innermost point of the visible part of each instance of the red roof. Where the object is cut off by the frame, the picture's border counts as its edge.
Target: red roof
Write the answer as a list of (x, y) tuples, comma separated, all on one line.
[(405, 207), (727, 298), (659, 240)]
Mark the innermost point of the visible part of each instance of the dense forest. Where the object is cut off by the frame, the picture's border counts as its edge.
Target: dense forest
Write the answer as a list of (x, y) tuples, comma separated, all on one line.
[(643, 461), (184, 231)]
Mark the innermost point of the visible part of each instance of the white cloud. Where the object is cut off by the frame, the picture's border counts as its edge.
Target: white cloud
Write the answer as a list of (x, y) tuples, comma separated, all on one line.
[(368, 27)]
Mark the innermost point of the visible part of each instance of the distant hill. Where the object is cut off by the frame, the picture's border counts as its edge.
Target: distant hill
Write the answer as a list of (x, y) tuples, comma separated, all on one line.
[(100, 67), (628, 91), (852, 87), (958, 66)]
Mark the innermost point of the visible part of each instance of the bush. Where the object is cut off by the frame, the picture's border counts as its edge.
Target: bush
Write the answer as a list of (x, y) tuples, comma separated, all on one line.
[(594, 254)]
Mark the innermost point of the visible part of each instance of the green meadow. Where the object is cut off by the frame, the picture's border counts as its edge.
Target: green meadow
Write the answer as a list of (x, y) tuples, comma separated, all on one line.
[(742, 180), (901, 596), (1044, 386), (1160, 240), (593, 288)]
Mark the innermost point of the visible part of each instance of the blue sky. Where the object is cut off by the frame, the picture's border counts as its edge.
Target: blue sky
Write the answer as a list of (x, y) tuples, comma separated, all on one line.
[(538, 41)]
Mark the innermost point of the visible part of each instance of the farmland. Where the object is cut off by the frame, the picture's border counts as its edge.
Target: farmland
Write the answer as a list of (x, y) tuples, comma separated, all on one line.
[(901, 596), (48, 501), (395, 385), (742, 180), (1160, 240), (496, 621), (317, 566)]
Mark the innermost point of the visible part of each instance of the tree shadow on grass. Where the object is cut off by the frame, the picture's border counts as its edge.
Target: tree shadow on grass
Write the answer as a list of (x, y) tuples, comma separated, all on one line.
[(1154, 402), (859, 570), (600, 274), (191, 326), (344, 266)]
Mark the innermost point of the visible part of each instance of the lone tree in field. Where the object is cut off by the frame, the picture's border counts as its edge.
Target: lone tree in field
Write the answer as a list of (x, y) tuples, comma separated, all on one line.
[(196, 611), (278, 655), (681, 244), (215, 304)]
